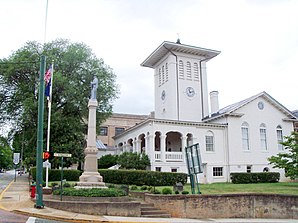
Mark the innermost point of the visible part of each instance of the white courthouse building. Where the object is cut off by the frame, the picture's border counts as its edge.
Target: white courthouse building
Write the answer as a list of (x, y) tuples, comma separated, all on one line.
[(237, 138)]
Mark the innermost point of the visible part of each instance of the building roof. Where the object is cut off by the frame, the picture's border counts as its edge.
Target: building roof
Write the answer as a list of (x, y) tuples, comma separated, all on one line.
[(100, 145), (167, 47), (228, 110)]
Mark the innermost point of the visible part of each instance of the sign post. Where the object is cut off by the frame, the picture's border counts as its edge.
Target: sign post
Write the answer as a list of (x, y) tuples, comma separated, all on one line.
[(194, 165), (16, 160), (61, 155)]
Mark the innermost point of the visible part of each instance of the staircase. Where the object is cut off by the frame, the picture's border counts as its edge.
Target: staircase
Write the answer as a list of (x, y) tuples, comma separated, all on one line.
[(148, 210)]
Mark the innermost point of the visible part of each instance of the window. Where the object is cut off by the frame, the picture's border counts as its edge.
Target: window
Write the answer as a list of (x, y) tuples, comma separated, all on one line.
[(196, 72), (163, 74), (167, 72), (217, 171), (248, 168), (181, 69), (103, 131), (245, 136), (158, 169), (159, 77), (174, 170), (263, 137), (209, 142), (188, 70), (118, 130), (279, 137)]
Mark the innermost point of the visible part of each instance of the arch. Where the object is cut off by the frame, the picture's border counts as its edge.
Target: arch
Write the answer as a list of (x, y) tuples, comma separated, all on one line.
[(157, 141), (173, 142), (130, 144), (142, 143)]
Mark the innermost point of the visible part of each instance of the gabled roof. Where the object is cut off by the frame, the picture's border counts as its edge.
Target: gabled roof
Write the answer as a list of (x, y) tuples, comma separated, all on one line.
[(100, 145), (230, 109), (167, 47)]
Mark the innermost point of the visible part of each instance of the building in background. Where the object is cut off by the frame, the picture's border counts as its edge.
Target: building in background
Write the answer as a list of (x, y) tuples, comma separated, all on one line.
[(113, 126), (237, 138)]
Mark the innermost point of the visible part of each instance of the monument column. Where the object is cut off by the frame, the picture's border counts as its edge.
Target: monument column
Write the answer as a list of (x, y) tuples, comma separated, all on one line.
[(91, 177)]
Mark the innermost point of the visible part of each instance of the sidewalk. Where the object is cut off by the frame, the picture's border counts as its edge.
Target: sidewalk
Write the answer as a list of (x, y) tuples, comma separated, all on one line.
[(16, 198)]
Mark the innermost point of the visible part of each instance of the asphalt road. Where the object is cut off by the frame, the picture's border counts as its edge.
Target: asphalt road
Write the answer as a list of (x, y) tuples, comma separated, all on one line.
[(10, 217)]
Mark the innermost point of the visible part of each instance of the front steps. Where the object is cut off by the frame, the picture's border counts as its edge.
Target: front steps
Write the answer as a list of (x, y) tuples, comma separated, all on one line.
[(148, 210)]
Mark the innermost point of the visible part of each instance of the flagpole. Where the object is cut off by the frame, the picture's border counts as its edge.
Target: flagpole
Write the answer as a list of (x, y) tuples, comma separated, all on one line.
[(49, 124)]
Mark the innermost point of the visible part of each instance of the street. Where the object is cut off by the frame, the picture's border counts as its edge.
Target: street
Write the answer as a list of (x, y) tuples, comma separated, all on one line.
[(10, 217)]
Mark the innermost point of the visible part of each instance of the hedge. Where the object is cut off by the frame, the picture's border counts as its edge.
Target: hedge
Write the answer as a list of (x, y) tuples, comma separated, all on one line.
[(128, 177), (142, 177), (262, 177), (55, 174)]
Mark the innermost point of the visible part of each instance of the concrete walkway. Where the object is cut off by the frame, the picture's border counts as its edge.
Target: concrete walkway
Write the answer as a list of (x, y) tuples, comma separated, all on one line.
[(16, 198)]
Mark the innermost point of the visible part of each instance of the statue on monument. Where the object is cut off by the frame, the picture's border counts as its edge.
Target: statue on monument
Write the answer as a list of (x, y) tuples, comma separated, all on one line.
[(94, 86)]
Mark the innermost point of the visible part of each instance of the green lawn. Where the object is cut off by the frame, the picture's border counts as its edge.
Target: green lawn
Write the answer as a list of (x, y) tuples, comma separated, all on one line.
[(290, 188)]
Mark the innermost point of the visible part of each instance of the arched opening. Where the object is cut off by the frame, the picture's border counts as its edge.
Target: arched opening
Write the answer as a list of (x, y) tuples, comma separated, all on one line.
[(130, 145), (173, 142), (142, 143)]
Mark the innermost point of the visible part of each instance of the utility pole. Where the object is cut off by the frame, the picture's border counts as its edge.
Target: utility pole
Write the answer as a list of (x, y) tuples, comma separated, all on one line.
[(39, 200)]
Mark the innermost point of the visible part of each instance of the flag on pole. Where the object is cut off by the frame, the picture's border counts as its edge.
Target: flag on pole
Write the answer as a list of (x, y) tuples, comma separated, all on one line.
[(48, 78)]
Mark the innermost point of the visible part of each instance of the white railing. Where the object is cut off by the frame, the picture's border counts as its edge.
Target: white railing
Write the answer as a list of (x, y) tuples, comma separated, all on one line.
[(157, 156), (174, 156), (169, 156)]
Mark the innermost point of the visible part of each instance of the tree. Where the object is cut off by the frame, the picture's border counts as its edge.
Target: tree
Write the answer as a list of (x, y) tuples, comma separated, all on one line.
[(288, 160), (74, 67), (129, 160), (107, 161), (5, 154)]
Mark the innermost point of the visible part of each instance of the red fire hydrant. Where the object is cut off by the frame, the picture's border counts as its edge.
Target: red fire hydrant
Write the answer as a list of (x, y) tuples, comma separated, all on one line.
[(33, 188)]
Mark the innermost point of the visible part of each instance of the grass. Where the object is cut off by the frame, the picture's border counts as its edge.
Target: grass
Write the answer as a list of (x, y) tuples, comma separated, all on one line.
[(290, 188)]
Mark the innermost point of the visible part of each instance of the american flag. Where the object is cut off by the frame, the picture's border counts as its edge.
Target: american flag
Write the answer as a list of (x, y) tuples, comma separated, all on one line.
[(48, 75)]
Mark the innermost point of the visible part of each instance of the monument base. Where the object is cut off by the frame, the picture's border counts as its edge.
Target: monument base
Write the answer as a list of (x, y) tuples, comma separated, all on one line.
[(90, 180)]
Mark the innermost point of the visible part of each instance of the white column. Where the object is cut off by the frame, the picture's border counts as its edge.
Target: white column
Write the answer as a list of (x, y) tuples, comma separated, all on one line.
[(134, 146), (162, 148), (183, 144), (138, 146), (150, 147)]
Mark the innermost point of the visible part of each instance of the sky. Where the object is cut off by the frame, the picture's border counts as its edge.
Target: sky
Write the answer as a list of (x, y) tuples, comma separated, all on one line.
[(258, 41)]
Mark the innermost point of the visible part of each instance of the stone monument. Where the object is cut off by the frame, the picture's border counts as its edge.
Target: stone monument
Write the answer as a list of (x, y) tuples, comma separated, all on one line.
[(91, 178)]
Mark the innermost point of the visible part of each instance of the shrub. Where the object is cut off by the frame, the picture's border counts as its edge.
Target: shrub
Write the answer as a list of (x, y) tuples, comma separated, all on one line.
[(94, 192), (184, 192), (55, 175), (66, 185), (262, 177), (144, 187), (156, 191), (142, 177), (166, 190), (53, 184), (134, 187), (107, 161), (176, 192)]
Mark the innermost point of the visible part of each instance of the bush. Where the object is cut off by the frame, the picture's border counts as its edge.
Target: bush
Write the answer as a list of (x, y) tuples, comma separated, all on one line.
[(142, 177), (55, 175), (53, 184), (129, 160), (66, 185), (176, 192), (166, 190), (262, 177), (94, 192), (144, 187), (133, 187), (107, 161), (184, 192)]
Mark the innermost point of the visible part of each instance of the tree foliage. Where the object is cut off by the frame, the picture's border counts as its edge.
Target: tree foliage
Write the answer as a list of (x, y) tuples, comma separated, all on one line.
[(5, 154), (129, 160), (74, 67), (107, 161), (289, 159)]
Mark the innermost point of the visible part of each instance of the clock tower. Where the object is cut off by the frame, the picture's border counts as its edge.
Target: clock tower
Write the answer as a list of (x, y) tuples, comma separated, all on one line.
[(180, 81)]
